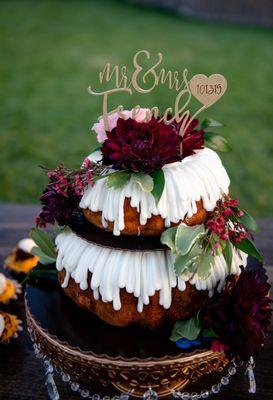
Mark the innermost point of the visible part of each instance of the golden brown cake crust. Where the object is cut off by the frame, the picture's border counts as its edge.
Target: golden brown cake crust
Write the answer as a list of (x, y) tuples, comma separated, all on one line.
[(184, 305), (153, 227)]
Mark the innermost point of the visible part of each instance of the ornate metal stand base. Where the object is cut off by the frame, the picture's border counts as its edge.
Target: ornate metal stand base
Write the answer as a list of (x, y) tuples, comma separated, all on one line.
[(166, 374)]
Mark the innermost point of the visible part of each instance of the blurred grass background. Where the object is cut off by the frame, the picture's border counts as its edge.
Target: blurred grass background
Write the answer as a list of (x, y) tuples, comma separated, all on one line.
[(52, 50)]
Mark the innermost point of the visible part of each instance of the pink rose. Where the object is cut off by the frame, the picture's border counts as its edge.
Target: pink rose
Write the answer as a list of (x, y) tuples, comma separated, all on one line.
[(112, 122)]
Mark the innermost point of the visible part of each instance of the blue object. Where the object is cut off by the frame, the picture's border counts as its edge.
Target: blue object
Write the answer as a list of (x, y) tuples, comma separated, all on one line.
[(186, 343)]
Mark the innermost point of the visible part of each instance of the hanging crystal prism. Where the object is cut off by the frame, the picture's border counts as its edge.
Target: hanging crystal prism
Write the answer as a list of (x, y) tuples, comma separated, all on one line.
[(150, 395), (52, 388), (251, 377)]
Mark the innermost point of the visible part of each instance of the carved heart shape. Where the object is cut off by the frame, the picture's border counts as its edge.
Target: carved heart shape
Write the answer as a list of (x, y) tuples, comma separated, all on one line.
[(206, 89)]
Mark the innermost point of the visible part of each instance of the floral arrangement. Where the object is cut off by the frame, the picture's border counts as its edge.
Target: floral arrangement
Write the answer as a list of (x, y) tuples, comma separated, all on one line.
[(195, 247), (235, 321), (62, 195)]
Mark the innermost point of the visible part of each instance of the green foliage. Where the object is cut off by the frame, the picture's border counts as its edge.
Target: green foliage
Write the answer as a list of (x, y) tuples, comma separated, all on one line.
[(187, 261), (45, 250), (227, 253), (186, 244), (188, 329), (204, 263), (145, 181), (248, 247), (43, 257), (216, 142), (209, 333), (210, 123), (249, 222), (159, 184), (148, 183), (168, 237), (118, 180), (186, 236)]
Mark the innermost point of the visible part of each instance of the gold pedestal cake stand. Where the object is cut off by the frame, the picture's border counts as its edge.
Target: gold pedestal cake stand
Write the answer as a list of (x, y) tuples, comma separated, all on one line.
[(131, 360)]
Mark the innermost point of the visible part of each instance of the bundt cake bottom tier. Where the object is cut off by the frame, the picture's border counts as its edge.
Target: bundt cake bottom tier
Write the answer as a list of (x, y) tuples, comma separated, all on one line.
[(184, 305)]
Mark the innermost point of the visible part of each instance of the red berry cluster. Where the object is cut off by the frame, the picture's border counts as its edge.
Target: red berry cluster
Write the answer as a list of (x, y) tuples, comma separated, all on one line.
[(64, 180), (225, 223)]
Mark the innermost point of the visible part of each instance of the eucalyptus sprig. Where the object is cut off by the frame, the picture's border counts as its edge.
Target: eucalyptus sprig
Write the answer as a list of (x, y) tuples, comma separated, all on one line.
[(213, 140), (191, 329), (45, 247), (194, 247), (191, 247), (154, 183)]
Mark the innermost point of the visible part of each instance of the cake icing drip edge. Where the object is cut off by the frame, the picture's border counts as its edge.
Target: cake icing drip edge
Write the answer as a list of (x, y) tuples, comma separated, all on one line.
[(139, 272), (2, 325), (197, 177)]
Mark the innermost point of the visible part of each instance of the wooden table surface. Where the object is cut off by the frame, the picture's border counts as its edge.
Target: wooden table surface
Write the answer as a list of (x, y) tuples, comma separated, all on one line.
[(21, 374)]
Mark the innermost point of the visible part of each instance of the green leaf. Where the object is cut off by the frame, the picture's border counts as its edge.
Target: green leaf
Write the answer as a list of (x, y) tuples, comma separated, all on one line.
[(96, 149), (186, 236), (168, 237), (204, 264), (249, 248), (209, 333), (38, 272), (44, 241), (43, 258), (180, 263), (188, 329), (217, 142), (249, 222), (145, 181), (227, 253), (159, 184), (187, 261), (60, 228), (103, 176), (209, 122), (118, 179)]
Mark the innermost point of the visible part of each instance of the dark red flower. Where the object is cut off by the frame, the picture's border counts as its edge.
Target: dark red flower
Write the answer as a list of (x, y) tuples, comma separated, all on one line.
[(57, 207), (62, 195), (141, 146), (193, 139), (240, 315)]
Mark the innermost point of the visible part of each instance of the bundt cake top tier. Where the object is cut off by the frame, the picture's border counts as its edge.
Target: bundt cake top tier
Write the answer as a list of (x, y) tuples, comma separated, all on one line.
[(200, 176)]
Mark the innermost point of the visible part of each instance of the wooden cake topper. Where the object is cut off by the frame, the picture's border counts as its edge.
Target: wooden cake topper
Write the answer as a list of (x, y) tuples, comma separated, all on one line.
[(207, 90)]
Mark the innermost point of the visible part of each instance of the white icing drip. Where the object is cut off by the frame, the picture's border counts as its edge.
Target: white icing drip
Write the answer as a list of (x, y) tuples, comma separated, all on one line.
[(26, 245), (2, 325), (197, 177), (139, 272), (3, 283)]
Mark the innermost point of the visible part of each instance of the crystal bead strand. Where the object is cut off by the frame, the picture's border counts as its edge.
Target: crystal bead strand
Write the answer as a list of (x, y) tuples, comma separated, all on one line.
[(251, 377), (215, 389)]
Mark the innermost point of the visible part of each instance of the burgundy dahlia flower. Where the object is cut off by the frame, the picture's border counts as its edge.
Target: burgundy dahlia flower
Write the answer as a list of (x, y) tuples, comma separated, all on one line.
[(193, 139), (141, 146), (240, 315)]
